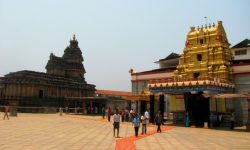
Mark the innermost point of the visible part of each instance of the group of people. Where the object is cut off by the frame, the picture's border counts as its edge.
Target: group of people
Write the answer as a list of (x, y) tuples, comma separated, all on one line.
[(126, 115), (136, 121)]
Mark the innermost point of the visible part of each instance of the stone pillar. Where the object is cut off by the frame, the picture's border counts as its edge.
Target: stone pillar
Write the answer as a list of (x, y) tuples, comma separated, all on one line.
[(248, 120), (27, 90), (161, 104), (83, 106), (20, 88), (6, 90), (12, 90), (57, 92), (138, 107), (24, 90), (17, 90), (152, 107), (13, 108), (91, 106), (33, 90)]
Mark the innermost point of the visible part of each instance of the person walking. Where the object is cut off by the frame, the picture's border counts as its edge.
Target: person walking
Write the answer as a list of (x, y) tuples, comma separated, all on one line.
[(66, 109), (146, 115), (116, 123), (158, 121), (109, 113), (106, 112), (219, 119), (131, 115), (126, 114), (144, 124), (123, 115), (6, 111), (60, 111), (136, 123), (232, 120), (187, 121), (103, 112)]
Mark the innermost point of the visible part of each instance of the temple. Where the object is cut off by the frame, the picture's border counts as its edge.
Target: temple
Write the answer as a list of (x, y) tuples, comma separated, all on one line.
[(205, 62), (207, 79), (64, 79)]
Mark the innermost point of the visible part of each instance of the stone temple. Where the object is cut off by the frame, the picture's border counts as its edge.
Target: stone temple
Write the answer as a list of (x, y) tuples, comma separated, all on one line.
[(64, 78)]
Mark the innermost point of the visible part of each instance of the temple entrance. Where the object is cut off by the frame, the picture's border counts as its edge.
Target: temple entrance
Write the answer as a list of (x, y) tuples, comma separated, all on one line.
[(143, 106), (198, 108)]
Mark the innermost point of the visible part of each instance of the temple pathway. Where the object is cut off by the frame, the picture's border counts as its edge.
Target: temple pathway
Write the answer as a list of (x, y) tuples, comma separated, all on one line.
[(75, 132)]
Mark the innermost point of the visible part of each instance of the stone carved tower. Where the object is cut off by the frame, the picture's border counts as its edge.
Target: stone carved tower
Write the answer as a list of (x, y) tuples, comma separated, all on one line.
[(70, 64), (206, 54)]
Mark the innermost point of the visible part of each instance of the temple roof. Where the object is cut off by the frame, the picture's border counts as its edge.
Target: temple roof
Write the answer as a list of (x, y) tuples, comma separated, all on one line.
[(156, 70), (113, 93), (26, 76), (171, 56), (242, 44)]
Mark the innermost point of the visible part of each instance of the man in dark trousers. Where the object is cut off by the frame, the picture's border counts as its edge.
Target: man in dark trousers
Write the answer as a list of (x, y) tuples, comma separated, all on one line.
[(116, 123), (103, 112), (109, 113), (158, 121), (232, 120), (136, 123)]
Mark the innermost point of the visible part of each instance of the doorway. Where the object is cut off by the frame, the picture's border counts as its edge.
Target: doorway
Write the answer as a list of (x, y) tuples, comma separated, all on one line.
[(143, 107), (198, 108)]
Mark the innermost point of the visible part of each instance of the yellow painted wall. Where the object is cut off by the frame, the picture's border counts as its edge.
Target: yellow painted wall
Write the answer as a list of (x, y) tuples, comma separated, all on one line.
[(177, 103), (172, 103), (221, 105)]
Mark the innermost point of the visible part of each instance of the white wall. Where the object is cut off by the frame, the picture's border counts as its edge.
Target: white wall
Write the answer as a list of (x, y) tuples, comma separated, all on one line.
[(159, 75), (241, 57)]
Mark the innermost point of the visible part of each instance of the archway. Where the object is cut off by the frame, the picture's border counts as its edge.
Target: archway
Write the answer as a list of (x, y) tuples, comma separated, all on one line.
[(198, 108)]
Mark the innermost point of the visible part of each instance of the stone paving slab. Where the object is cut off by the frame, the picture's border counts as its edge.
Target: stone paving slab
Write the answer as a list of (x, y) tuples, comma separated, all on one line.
[(50, 131), (195, 138), (75, 132)]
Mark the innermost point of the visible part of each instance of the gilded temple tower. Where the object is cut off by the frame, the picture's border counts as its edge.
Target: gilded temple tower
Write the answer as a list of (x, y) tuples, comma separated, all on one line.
[(206, 54)]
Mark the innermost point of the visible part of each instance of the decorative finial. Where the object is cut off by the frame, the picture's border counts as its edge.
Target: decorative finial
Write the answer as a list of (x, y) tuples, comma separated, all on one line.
[(205, 26), (205, 19), (192, 28), (213, 24), (198, 28), (209, 25), (74, 37)]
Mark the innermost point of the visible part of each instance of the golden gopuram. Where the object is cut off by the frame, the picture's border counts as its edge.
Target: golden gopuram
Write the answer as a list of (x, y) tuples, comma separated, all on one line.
[(204, 69), (205, 63), (206, 55)]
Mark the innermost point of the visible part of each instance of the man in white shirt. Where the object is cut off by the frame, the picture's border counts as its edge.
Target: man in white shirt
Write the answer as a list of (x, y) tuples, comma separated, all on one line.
[(131, 115), (117, 120), (146, 114)]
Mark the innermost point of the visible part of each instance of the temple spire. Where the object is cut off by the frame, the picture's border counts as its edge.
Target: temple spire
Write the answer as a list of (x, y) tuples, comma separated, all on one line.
[(74, 37)]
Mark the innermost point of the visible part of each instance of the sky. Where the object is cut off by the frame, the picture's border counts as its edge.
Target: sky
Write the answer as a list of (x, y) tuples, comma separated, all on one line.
[(114, 35)]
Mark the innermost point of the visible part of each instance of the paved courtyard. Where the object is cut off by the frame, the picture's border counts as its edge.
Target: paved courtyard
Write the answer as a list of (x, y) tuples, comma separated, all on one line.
[(50, 131)]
